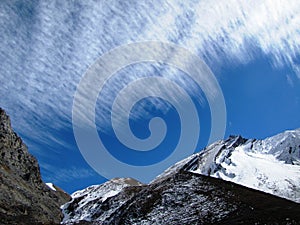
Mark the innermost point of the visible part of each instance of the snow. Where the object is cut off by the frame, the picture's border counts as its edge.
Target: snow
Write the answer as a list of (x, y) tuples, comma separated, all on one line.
[(286, 146), (263, 172), (51, 186), (271, 165), (86, 207)]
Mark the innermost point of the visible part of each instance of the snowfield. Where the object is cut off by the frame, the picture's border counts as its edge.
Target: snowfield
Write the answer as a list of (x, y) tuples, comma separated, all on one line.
[(271, 165)]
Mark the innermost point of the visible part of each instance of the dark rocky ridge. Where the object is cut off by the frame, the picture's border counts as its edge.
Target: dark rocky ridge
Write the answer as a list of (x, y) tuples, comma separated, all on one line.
[(187, 198), (24, 197)]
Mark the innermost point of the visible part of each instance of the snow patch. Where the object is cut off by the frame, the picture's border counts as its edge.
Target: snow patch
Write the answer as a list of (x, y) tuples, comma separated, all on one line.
[(85, 202), (51, 186)]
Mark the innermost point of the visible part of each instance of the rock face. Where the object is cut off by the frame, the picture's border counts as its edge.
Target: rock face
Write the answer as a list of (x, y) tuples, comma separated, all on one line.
[(191, 191), (24, 198)]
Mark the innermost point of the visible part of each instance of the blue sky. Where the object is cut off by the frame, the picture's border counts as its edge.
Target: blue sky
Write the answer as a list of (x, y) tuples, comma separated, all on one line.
[(45, 49)]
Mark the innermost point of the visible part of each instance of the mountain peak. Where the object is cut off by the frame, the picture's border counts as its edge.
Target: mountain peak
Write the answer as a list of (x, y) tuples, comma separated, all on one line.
[(82, 206), (129, 181), (271, 165)]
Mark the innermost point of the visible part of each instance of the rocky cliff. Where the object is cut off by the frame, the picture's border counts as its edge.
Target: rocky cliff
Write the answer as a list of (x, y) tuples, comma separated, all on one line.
[(24, 197)]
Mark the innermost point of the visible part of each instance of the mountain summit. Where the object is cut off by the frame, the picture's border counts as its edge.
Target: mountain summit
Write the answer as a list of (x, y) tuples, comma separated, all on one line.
[(271, 165), (214, 186)]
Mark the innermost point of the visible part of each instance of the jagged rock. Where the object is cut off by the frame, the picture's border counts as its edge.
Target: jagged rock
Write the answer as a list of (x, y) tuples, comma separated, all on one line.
[(24, 197)]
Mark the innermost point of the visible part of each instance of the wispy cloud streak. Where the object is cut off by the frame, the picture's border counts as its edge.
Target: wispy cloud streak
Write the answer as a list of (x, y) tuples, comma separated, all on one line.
[(45, 48)]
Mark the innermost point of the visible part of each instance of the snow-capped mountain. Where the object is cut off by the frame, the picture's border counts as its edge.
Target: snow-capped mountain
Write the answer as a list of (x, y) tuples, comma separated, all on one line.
[(271, 165), (191, 191), (182, 198), (84, 202)]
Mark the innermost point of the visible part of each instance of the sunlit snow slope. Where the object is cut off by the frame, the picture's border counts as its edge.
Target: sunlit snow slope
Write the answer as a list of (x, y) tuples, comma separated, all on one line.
[(271, 165)]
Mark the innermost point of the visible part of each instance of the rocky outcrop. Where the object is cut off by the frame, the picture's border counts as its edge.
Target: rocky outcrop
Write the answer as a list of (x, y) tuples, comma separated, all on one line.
[(24, 197)]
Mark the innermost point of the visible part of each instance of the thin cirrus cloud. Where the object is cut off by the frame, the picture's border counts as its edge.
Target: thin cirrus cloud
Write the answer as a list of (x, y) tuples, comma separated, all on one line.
[(56, 175), (233, 27), (46, 47)]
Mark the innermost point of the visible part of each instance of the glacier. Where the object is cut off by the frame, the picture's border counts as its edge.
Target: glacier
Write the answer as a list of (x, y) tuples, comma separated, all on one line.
[(271, 165)]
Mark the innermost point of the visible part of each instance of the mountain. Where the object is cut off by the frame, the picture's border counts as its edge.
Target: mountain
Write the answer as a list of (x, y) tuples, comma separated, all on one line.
[(271, 165), (191, 191), (84, 202), (24, 197)]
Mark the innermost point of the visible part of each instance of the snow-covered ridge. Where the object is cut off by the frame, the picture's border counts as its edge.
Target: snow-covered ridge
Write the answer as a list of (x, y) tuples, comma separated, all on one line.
[(271, 165), (85, 200), (285, 146)]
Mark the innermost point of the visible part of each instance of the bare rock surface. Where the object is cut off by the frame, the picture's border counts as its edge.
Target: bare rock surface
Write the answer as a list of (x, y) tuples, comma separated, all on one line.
[(24, 197)]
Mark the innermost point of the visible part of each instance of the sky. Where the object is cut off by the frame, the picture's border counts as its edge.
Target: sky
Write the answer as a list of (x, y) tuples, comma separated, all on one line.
[(251, 50)]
